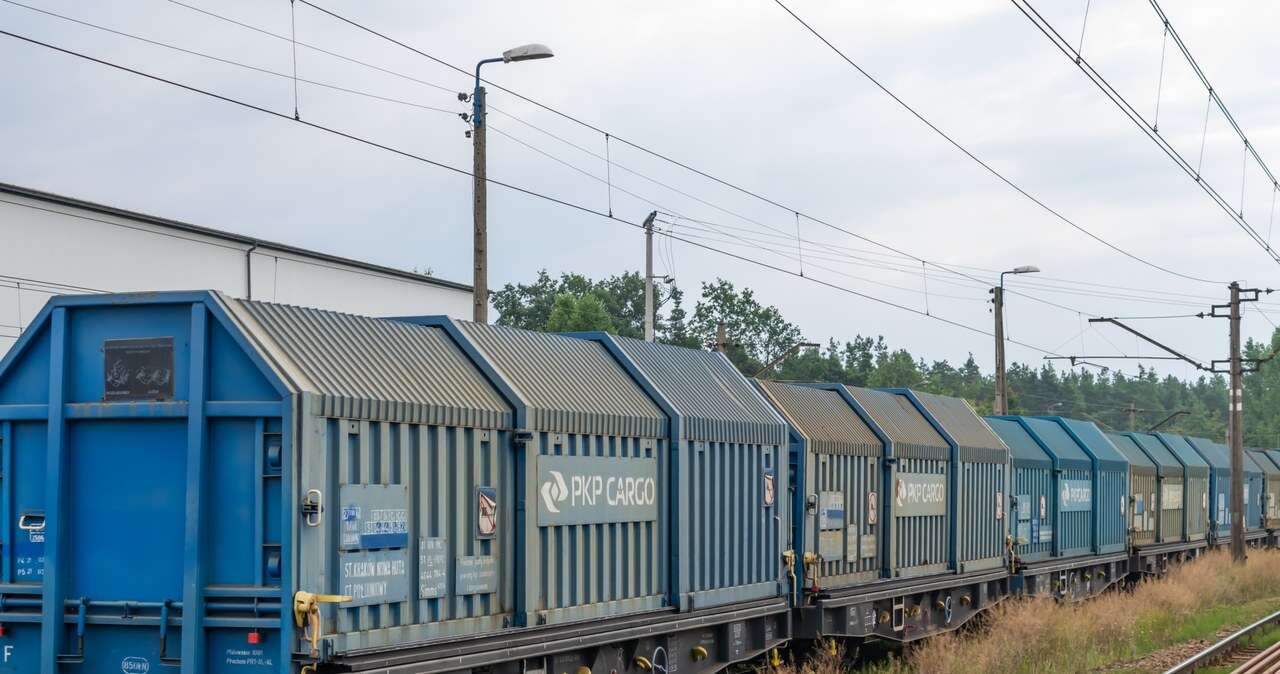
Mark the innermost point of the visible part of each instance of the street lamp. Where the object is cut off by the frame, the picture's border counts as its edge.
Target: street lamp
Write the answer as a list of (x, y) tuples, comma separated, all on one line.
[(1002, 392), (480, 283)]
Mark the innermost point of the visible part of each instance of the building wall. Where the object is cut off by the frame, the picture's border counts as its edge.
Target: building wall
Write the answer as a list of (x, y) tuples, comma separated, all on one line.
[(51, 246)]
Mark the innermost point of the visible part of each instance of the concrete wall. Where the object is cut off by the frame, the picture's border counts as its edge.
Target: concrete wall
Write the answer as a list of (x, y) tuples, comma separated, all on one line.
[(51, 246)]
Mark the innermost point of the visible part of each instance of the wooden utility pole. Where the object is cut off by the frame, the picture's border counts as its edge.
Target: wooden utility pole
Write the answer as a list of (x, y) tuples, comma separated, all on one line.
[(1235, 431), (720, 338), (1002, 395), (648, 276), (479, 184)]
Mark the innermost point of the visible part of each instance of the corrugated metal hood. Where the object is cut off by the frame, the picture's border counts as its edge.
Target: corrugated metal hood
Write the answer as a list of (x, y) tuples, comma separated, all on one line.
[(372, 368), (713, 399), (825, 419)]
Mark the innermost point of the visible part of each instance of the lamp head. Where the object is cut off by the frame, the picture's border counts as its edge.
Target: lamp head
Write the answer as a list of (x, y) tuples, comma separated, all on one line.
[(527, 52)]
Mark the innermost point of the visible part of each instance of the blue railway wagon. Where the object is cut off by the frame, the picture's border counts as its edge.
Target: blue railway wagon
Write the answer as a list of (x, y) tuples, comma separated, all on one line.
[(1197, 482), (1271, 483), (729, 469), (1171, 493), (272, 454), (1074, 568), (1144, 510), (838, 462), (584, 428), (1255, 492), (1073, 501), (1031, 521), (980, 465), (1111, 473), (1219, 498), (920, 535)]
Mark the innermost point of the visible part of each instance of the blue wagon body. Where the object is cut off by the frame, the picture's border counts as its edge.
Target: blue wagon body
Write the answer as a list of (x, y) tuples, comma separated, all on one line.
[(1215, 455), (1073, 502), (1255, 492), (729, 468), (980, 465), (1031, 519), (126, 422), (1111, 473)]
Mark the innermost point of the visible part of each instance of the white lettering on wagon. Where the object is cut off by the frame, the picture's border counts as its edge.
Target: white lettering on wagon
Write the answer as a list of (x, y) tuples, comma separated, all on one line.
[(590, 489), (917, 494)]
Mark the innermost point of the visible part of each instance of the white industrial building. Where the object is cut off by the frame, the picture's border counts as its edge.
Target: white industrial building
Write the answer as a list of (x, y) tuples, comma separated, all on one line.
[(132, 251)]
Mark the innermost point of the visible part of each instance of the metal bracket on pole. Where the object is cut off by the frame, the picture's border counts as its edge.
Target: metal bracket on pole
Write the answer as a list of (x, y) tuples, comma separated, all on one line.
[(1177, 354)]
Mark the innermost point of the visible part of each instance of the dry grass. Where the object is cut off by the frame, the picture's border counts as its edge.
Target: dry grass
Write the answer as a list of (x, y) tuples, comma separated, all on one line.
[(1038, 635)]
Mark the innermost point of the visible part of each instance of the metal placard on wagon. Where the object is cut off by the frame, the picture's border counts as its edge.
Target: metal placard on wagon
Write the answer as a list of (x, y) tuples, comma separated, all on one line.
[(1171, 496), (476, 575), (916, 494), (1075, 495), (374, 516), (137, 369), (374, 576), (596, 489)]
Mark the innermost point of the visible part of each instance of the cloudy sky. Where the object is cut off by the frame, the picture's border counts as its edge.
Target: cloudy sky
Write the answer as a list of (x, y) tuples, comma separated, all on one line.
[(737, 89)]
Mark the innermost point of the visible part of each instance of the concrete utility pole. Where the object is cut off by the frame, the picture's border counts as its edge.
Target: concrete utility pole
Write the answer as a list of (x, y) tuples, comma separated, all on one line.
[(479, 180), (997, 299), (720, 338), (648, 276), (1235, 431)]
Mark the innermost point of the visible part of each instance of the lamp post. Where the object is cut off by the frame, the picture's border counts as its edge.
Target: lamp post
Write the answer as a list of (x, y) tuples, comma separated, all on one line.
[(1002, 393), (480, 250)]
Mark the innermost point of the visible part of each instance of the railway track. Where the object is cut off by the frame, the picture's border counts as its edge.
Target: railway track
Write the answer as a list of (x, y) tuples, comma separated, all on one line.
[(1232, 651)]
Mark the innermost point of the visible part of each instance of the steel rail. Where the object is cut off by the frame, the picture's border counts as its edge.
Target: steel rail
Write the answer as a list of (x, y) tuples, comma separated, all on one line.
[(1212, 653)]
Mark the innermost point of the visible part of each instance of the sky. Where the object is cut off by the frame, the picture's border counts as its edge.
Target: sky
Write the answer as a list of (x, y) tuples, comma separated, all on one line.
[(736, 89)]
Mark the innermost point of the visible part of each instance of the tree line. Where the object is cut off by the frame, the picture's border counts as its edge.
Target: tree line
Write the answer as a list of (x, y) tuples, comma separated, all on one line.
[(757, 333)]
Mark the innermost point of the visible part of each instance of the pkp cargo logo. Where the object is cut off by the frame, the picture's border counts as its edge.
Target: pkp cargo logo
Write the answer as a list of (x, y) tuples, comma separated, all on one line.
[(554, 491), (135, 665), (596, 489)]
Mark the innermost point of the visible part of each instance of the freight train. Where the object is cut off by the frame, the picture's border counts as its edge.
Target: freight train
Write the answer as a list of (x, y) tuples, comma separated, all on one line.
[(195, 483)]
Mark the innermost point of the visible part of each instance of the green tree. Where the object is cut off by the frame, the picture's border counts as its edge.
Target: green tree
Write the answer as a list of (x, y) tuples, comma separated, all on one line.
[(578, 314), (755, 333)]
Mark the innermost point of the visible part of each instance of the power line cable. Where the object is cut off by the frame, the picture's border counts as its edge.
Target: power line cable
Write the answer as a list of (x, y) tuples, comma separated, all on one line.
[(1057, 214), (225, 61), (388, 99), (1148, 129), (1213, 92), (750, 192), (509, 186), (950, 268)]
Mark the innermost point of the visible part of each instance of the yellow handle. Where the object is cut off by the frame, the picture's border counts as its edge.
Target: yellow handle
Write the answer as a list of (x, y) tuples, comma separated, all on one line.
[(306, 613)]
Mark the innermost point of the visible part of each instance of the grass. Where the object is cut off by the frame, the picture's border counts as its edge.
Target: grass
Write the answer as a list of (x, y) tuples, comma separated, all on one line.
[(1194, 601)]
